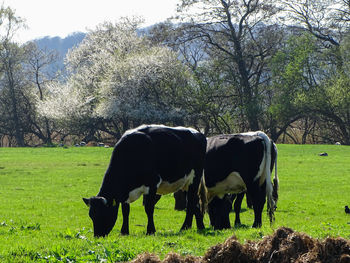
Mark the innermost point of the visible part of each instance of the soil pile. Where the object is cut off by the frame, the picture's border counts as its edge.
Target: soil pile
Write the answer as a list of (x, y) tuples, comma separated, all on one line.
[(285, 245)]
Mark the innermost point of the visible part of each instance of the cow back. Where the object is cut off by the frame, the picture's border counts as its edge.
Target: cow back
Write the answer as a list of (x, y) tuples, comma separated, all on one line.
[(232, 153)]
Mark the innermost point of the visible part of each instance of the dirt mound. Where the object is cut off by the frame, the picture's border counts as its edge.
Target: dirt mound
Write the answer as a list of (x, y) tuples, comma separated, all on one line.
[(285, 245)]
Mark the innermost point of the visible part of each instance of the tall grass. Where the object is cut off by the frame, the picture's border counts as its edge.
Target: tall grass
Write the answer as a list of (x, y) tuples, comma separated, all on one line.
[(43, 217)]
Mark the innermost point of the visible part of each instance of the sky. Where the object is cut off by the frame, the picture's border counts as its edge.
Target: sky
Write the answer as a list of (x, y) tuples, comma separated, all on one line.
[(63, 17)]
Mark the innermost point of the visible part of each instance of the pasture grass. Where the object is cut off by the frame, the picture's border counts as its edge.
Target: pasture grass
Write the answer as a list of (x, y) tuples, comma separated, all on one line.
[(43, 217)]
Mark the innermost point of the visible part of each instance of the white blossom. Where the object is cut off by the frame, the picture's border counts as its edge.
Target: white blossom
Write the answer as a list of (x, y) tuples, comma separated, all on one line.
[(115, 73), (64, 102)]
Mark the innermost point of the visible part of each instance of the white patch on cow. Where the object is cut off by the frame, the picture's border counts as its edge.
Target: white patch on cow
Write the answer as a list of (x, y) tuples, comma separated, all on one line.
[(130, 131), (264, 167), (194, 131), (181, 184), (264, 174), (160, 181), (136, 193), (261, 172), (180, 128), (233, 184)]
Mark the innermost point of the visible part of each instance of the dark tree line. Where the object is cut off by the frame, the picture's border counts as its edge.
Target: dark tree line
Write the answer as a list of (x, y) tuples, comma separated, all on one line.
[(282, 67)]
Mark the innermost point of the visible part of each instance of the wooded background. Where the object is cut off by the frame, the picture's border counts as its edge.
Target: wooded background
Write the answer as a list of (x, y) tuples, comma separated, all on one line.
[(218, 66)]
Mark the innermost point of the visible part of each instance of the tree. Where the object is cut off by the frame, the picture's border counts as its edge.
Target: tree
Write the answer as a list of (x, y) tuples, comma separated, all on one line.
[(242, 35), (37, 69), (331, 101), (293, 75), (327, 99), (119, 79), (315, 16), (210, 103), (14, 103), (309, 88), (328, 21)]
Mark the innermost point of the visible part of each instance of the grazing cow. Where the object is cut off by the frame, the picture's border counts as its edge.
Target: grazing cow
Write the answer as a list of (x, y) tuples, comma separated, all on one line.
[(235, 164), (150, 160)]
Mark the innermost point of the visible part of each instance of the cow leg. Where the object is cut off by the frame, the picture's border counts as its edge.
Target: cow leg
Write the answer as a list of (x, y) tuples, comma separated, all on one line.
[(193, 204), (197, 211), (156, 199), (125, 226), (189, 211), (225, 209), (257, 215), (249, 201), (258, 199), (237, 208), (180, 200), (215, 213), (149, 203)]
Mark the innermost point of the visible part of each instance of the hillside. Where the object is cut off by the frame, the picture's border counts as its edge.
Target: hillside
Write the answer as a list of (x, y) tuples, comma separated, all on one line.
[(61, 45)]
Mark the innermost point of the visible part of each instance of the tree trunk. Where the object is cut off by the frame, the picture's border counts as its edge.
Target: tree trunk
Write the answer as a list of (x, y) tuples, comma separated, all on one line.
[(15, 115)]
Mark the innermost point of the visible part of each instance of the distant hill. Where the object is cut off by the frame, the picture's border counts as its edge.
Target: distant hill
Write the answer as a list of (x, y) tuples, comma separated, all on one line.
[(61, 45)]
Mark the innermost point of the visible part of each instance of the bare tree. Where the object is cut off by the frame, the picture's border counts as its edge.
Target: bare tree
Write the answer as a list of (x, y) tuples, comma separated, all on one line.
[(242, 35), (38, 70), (316, 17)]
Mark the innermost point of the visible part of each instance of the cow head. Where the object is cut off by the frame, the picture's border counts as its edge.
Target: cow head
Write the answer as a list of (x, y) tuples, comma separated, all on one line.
[(103, 214)]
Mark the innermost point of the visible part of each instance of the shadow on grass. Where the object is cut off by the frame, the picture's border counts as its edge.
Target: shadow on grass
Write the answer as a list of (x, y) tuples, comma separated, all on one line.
[(242, 226), (208, 231), (205, 232)]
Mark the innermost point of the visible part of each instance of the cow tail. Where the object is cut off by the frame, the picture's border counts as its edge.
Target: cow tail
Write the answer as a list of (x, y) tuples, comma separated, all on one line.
[(203, 196), (267, 172), (275, 179)]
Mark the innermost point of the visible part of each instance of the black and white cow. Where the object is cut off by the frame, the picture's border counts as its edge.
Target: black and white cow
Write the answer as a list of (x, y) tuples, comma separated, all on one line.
[(238, 163), (150, 160)]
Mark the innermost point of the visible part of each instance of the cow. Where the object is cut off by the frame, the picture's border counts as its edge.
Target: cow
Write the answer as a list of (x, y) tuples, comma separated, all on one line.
[(149, 160), (238, 163)]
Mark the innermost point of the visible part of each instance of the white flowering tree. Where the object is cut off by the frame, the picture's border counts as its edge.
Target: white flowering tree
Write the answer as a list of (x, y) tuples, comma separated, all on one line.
[(119, 79)]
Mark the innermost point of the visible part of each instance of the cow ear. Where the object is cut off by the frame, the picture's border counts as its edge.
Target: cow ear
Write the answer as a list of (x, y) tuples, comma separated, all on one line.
[(86, 201)]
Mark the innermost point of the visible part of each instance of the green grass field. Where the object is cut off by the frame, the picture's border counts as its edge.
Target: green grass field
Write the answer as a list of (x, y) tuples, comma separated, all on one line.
[(43, 217)]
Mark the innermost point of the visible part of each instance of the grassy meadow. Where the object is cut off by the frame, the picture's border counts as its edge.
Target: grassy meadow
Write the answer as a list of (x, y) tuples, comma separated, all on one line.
[(43, 217)]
